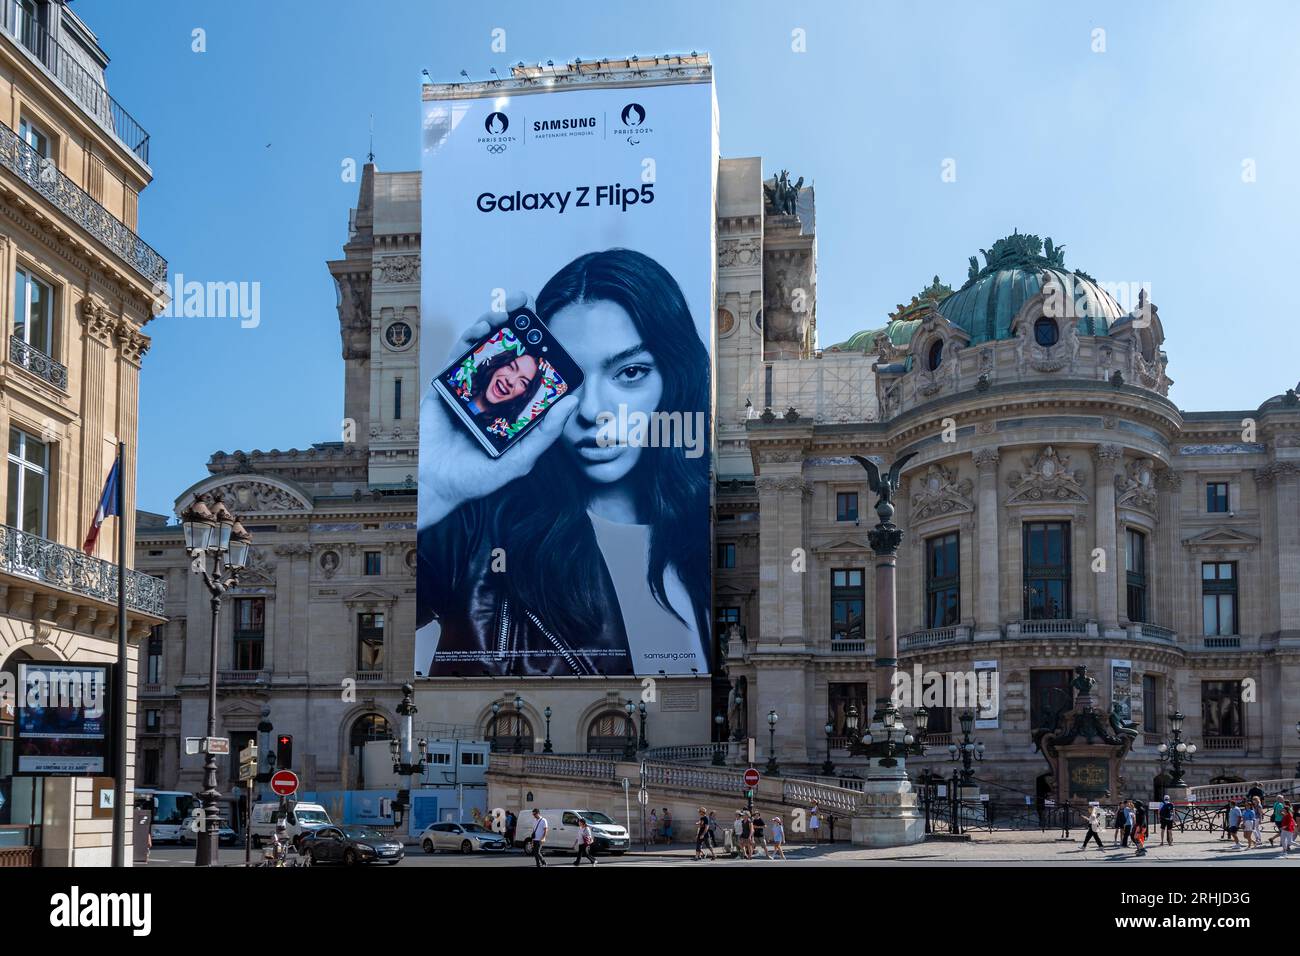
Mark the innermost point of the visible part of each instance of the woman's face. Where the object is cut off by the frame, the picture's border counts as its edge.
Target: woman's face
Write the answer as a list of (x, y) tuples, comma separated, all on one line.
[(510, 380), (618, 369)]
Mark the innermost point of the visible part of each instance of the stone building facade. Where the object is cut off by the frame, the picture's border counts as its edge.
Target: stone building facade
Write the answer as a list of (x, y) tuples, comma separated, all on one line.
[(1060, 510), (77, 286)]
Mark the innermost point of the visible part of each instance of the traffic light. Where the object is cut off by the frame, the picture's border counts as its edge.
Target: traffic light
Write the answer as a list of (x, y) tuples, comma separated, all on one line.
[(284, 752)]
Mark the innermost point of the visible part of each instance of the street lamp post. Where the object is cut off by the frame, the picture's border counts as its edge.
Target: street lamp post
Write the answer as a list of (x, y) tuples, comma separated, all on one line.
[(519, 723), (1297, 730), (828, 768), (496, 724), (213, 534), (719, 745), (772, 766), (643, 743), (546, 747), (1177, 751), (969, 749), (404, 765), (629, 741), (738, 733)]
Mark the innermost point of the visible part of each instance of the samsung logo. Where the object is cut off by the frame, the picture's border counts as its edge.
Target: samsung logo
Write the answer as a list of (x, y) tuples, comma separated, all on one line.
[(572, 122)]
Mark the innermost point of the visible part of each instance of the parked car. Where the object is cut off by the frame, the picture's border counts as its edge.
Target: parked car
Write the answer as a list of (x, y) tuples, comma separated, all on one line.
[(608, 835), (226, 834), (461, 837), (301, 819), (350, 845)]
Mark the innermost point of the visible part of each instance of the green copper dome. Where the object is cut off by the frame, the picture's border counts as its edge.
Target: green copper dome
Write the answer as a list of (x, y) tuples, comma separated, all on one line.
[(902, 322), (1014, 271)]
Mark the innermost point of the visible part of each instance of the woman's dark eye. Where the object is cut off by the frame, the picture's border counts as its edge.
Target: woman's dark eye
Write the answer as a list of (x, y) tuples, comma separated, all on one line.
[(633, 373)]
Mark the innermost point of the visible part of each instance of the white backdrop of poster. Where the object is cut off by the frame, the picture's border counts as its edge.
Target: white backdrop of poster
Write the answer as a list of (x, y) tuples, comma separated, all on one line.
[(519, 184)]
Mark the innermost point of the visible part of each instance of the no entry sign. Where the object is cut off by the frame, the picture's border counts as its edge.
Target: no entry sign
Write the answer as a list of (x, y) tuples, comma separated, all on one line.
[(284, 783), (751, 778)]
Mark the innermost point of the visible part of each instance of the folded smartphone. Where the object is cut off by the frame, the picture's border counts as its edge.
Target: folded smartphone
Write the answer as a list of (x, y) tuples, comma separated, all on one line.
[(506, 382)]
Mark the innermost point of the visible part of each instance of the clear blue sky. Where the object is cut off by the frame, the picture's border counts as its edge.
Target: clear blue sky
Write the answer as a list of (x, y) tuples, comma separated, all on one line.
[(1132, 158)]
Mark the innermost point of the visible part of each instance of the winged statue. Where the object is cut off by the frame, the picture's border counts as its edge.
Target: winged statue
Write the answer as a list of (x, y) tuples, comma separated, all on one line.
[(885, 485)]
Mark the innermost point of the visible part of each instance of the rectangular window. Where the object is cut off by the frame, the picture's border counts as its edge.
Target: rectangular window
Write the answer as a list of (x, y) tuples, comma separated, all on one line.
[(33, 311), (726, 556), (249, 633), (154, 660), (29, 461), (1151, 706), (848, 597), (373, 564), (1216, 496), (1046, 557), (1049, 692), (846, 506), (149, 770), (1219, 598), (152, 721), (1135, 566), (1221, 712), (397, 399), (472, 759), (439, 758), (370, 641), (942, 581), (35, 137)]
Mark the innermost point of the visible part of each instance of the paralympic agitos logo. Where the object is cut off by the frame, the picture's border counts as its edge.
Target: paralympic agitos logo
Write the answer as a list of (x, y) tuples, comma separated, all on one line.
[(633, 128), (495, 125)]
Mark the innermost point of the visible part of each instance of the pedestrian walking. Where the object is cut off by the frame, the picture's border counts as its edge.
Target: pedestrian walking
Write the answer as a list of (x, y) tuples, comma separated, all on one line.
[(512, 822), (582, 845), (1166, 821), (736, 828), (760, 834), (668, 826), (778, 839), (702, 836), (1120, 817), (1140, 826), (1095, 824), (747, 836), (654, 827), (713, 831), (1126, 824), (1286, 829), (540, 828), (814, 824), (1234, 825), (1249, 820), (1279, 809)]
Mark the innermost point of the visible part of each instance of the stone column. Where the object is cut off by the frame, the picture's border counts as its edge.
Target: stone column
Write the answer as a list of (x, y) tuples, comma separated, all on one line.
[(1286, 503), (1106, 459), (987, 609), (885, 540)]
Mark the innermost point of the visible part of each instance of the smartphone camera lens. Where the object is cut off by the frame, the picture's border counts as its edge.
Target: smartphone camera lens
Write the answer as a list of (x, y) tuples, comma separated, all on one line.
[(534, 336), (521, 322)]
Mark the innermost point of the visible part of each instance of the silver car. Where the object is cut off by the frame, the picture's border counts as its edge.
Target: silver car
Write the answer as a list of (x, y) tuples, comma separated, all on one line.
[(462, 837)]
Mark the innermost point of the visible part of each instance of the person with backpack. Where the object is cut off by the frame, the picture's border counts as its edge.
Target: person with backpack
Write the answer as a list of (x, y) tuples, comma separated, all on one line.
[(583, 843), (1279, 808), (1140, 826), (702, 836), (1166, 821)]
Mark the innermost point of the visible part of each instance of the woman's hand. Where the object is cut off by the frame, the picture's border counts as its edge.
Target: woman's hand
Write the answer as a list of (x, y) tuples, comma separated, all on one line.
[(457, 469)]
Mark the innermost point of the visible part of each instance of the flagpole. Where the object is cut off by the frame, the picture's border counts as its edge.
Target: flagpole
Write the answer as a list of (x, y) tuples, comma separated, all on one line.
[(120, 694)]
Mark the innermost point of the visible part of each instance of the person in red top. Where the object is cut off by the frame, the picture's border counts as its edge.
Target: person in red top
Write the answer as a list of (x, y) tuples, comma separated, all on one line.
[(1287, 827)]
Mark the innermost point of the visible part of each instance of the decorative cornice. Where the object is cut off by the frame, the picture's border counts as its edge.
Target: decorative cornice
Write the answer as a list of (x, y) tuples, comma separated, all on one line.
[(986, 459), (1048, 478)]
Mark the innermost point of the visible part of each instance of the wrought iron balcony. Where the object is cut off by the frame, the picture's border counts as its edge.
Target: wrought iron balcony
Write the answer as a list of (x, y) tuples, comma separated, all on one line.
[(38, 363), (81, 84), (66, 196), (39, 559)]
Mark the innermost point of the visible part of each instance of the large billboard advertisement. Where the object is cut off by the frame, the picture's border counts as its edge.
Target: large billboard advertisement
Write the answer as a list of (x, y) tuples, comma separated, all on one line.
[(566, 323), (63, 720)]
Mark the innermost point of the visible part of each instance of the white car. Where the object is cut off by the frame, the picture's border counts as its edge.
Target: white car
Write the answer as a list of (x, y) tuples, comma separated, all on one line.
[(608, 836), (460, 837)]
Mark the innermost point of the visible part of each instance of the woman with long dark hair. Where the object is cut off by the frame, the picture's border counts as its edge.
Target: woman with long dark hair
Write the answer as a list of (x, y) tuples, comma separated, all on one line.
[(572, 553), (503, 386)]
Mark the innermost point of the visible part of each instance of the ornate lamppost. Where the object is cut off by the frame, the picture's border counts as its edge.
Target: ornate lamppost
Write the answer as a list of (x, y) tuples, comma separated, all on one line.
[(738, 734), (496, 724), (772, 766), (519, 723), (719, 745), (546, 747), (218, 545), (828, 768), (642, 744), (629, 741), (969, 749), (403, 751), (897, 741), (1177, 751)]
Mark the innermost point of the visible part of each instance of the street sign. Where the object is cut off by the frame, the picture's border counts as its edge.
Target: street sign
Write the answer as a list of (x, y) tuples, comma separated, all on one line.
[(643, 797), (247, 771), (284, 783), (192, 745), (216, 745), (249, 753), (751, 778)]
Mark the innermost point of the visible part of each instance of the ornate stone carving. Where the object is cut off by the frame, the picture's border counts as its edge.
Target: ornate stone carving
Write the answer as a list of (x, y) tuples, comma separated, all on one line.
[(404, 268), (1169, 480), (329, 563), (289, 550), (941, 492), (784, 483), (739, 252), (260, 496), (1048, 358), (1108, 454), (1048, 477), (259, 570), (985, 458), (984, 428), (1136, 488)]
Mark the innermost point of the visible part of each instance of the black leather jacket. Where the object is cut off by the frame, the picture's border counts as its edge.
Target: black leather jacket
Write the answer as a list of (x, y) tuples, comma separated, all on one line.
[(484, 632)]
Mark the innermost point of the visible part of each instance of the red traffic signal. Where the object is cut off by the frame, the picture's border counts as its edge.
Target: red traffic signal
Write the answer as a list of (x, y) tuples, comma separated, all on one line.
[(284, 751)]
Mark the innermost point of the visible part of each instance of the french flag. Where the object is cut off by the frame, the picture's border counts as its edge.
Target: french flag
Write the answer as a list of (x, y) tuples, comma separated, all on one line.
[(107, 506)]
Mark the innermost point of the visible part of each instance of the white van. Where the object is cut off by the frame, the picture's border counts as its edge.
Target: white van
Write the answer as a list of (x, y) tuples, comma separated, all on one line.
[(299, 819), (609, 836)]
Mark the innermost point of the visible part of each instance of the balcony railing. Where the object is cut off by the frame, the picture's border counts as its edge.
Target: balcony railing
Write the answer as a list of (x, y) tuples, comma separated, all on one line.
[(1153, 632), (848, 647), (65, 195), (240, 676), (39, 559), (368, 676), (1050, 627), (934, 637), (82, 85), (1223, 743), (38, 363), (1222, 643)]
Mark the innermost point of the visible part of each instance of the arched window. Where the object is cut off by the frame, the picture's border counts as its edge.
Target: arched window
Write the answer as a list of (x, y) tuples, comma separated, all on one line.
[(509, 732), (365, 728), (607, 733), (1045, 332), (935, 357)]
